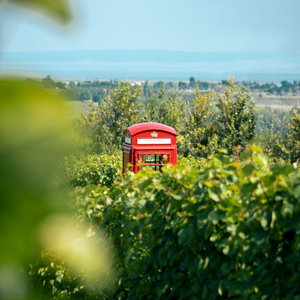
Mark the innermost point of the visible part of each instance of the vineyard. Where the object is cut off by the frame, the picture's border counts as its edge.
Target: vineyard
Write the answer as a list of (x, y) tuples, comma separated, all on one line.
[(217, 228), (222, 224)]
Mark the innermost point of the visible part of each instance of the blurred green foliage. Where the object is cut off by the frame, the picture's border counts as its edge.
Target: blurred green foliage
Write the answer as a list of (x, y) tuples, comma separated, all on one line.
[(52, 277), (34, 137), (58, 9)]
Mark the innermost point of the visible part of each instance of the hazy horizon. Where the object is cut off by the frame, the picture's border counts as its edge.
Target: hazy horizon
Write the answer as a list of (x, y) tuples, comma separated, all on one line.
[(152, 65)]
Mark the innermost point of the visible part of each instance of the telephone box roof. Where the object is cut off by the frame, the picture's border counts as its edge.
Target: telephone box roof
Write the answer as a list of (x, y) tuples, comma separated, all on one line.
[(135, 129)]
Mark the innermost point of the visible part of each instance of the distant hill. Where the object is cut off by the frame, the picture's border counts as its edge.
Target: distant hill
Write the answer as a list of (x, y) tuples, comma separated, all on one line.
[(153, 65), (158, 56)]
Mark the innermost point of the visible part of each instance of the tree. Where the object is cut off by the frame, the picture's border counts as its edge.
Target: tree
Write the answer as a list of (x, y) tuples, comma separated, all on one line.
[(285, 86), (285, 83), (165, 108), (292, 140), (33, 82), (182, 85), (85, 95), (224, 82), (145, 88), (60, 85), (158, 85), (169, 85), (48, 83), (197, 137), (192, 82), (234, 122), (70, 94), (72, 84), (118, 110), (203, 85)]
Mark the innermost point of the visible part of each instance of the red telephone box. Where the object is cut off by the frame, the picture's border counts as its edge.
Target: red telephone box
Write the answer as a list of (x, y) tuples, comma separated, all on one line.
[(149, 144)]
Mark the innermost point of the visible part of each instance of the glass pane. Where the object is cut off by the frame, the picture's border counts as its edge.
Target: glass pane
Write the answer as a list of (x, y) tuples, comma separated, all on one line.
[(150, 158)]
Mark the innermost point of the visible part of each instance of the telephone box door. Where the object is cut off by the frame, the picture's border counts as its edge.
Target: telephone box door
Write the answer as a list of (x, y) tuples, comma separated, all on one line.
[(155, 159)]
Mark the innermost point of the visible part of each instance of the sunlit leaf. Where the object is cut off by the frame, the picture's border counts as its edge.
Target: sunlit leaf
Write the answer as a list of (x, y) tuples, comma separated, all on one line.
[(261, 159), (58, 9)]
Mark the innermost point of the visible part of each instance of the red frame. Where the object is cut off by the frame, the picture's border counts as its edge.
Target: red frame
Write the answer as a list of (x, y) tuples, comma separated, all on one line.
[(134, 135)]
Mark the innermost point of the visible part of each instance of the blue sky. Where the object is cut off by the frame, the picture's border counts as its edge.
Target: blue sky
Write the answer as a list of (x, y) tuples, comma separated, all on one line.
[(264, 26)]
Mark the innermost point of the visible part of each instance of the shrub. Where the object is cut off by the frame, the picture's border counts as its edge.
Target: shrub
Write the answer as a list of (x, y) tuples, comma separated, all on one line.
[(90, 169), (221, 232)]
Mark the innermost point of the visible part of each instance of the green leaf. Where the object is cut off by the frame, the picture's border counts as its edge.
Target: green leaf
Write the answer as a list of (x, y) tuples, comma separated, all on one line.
[(260, 237), (248, 169), (214, 193), (177, 197), (296, 192), (224, 151), (214, 216), (282, 168), (142, 203), (225, 268), (183, 235), (295, 176), (287, 209), (261, 159), (256, 149), (58, 9), (220, 288), (226, 249), (109, 201), (273, 219), (246, 154)]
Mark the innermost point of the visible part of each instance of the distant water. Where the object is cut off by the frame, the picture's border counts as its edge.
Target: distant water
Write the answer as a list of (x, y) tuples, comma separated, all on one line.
[(152, 65), (74, 71)]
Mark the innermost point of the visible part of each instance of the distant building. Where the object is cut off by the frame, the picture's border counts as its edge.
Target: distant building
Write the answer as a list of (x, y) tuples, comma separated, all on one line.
[(260, 83), (136, 83), (114, 81), (297, 93)]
